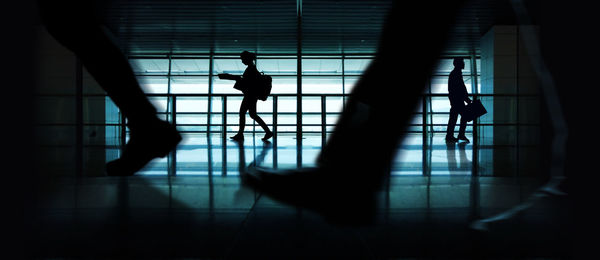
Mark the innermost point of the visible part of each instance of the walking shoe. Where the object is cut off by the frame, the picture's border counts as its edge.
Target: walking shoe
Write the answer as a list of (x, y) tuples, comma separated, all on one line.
[(238, 137), (152, 141), (351, 203), (463, 138), (451, 139), (267, 136)]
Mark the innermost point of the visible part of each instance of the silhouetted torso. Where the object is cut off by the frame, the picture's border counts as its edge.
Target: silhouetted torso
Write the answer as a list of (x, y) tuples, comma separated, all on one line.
[(457, 91), (249, 86), (249, 78)]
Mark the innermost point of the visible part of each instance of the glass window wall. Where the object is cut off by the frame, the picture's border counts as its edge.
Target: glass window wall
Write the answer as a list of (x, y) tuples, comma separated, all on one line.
[(186, 90)]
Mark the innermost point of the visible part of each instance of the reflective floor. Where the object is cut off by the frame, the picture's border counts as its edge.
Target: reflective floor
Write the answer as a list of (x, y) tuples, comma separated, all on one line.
[(201, 154), (202, 211)]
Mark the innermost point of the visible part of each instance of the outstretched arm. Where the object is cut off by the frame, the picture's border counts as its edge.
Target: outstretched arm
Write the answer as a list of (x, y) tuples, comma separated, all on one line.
[(229, 76)]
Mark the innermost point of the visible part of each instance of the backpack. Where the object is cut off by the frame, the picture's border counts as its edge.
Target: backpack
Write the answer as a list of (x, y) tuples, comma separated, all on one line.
[(264, 86)]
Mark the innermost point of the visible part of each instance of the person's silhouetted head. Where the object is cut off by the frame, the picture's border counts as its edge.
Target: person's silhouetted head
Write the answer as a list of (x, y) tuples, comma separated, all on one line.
[(459, 63), (248, 58)]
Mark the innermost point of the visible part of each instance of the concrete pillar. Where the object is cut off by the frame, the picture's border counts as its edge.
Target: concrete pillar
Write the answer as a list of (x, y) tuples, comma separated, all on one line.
[(506, 72), (94, 138), (56, 110)]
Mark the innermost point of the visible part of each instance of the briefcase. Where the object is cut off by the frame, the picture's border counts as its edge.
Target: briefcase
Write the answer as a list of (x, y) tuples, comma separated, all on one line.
[(473, 110)]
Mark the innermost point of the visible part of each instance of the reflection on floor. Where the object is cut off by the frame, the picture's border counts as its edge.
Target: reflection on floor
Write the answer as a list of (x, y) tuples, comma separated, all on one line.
[(203, 210), (200, 154)]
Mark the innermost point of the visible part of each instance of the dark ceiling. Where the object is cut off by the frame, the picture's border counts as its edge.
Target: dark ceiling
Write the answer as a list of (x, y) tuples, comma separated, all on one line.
[(328, 26)]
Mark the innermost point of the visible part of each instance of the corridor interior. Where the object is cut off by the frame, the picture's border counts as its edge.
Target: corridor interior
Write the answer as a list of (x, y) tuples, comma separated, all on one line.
[(480, 199), (202, 210)]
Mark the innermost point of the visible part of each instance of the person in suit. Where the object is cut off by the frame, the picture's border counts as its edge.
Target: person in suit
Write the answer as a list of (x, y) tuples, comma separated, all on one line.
[(458, 95), (247, 83)]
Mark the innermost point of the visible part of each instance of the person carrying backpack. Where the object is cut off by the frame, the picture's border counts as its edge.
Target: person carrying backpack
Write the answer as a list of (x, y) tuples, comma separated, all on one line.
[(255, 86)]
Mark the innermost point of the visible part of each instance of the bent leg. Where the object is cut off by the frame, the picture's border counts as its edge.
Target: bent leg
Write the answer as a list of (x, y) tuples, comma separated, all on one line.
[(388, 92), (255, 117), (361, 149), (463, 126), (451, 122), (75, 26), (244, 106)]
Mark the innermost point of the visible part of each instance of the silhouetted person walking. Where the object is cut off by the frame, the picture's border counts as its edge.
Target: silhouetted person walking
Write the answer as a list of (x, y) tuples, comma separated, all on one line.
[(75, 25), (248, 84), (458, 95)]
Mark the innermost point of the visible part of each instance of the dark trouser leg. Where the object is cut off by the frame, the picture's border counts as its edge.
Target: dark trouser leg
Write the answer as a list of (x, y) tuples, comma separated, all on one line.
[(383, 101), (243, 108), (452, 122), (75, 26), (254, 115), (112, 71), (463, 126), (79, 32), (365, 140)]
